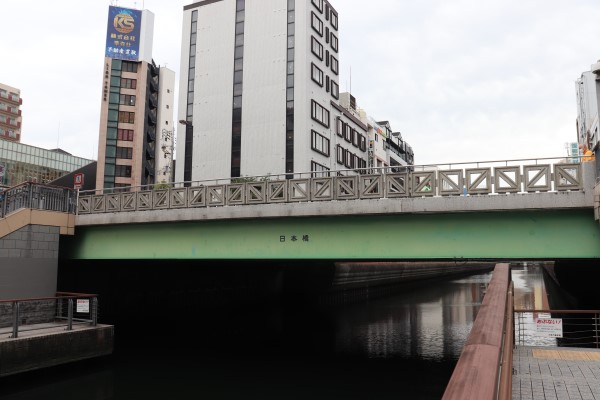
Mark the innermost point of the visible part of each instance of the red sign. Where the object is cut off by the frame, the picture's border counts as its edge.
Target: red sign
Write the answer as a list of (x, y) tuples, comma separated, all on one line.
[(78, 181)]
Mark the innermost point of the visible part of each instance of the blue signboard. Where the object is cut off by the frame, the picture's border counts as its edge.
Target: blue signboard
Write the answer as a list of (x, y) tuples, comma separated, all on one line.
[(123, 33)]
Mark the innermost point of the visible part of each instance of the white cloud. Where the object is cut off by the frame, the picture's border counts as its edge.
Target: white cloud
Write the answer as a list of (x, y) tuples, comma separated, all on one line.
[(462, 80)]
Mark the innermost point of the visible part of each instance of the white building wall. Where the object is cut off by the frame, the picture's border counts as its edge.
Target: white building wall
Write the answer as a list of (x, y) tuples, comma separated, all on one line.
[(165, 126), (587, 107), (146, 36), (264, 88), (182, 98), (213, 91), (263, 134)]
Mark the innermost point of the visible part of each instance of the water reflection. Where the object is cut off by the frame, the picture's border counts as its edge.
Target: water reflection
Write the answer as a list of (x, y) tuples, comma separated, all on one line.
[(530, 294), (529, 289), (428, 324), (403, 346)]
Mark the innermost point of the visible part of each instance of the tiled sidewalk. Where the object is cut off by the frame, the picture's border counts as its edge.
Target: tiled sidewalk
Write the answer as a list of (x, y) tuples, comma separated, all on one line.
[(556, 374)]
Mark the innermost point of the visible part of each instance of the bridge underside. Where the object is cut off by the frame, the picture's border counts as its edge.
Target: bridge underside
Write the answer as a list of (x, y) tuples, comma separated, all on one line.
[(560, 234)]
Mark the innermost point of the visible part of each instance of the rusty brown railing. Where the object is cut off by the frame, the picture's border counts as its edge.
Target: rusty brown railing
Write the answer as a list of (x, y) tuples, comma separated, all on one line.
[(482, 372)]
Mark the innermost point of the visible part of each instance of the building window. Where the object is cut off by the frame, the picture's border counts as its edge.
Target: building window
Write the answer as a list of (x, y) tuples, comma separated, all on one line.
[(127, 117), (320, 114), (125, 135), (125, 153), (362, 144), (334, 65), (320, 143), (128, 83), (349, 159), (317, 24), (317, 75), (127, 100), (335, 90), (238, 81), (289, 108), (318, 4), (317, 48), (128, 66), (334, 42), (348, 133), (355, 139), (341, 155), (334, 20), (340, 127), (319, 171), (123, 171)]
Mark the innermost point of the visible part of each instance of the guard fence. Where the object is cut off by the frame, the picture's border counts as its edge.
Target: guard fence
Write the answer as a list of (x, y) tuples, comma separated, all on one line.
[(37, 196), (562, 328), (34, 314), (463, 179)]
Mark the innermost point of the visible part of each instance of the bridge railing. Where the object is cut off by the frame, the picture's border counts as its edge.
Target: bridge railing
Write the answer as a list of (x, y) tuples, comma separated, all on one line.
[(562, 328), (34, 314), (37, 196), (462, 179)]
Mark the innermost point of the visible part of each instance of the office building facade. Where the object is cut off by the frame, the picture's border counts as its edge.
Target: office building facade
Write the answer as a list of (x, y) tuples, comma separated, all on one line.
[(136, 123), (259, 91), (10, 113), (23, 163), (587, 90)]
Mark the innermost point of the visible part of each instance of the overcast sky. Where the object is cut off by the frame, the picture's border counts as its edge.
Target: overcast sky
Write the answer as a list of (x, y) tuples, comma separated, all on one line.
[(462, 80)]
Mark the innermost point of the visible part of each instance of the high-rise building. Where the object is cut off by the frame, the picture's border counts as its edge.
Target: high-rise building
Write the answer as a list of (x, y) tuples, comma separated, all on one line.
[(587, 89), (136, 122), (259, 92), (10, 113)]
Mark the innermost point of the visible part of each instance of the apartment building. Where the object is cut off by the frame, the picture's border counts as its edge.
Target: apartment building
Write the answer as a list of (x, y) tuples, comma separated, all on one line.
[(10, 113), (136, 136)]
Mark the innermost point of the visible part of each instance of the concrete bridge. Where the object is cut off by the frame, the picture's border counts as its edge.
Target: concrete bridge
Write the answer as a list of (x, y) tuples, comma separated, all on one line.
[(534, 211)]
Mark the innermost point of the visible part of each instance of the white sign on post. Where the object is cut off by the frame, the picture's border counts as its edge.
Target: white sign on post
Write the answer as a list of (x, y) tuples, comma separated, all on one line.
[(549, 327), (83, 305)]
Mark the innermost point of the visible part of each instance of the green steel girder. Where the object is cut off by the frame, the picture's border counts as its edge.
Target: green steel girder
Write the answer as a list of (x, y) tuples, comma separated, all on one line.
[(563, 234)]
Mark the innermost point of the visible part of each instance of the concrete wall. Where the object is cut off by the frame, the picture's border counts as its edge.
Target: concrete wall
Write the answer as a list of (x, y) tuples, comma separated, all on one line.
[(29, 262), (27, 354)]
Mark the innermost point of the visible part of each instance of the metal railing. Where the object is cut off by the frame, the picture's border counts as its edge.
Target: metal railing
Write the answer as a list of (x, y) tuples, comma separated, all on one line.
[(580, 328), (462, 179), (37, 196), (68, 309)]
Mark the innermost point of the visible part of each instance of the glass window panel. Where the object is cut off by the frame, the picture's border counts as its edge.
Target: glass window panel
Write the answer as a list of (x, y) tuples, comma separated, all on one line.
[(237, 89), (237, 102), (239, 40), (238, 64), (239, 28), (239, 52), (238, 77)]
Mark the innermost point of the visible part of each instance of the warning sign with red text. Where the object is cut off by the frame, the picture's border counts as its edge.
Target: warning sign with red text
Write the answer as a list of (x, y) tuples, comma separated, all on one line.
[(549, 327)]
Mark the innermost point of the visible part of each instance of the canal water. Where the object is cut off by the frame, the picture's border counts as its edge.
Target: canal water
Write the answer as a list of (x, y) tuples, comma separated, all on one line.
[(403, 346)]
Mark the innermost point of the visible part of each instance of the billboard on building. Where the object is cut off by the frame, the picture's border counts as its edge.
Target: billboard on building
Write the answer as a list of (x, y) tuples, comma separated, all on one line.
[(123, 34)]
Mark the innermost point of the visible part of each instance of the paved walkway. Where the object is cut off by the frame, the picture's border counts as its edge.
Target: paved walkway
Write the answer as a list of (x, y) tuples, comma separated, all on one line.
[(556, 374)]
